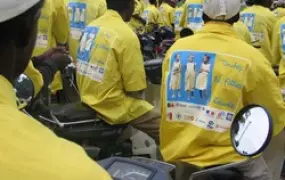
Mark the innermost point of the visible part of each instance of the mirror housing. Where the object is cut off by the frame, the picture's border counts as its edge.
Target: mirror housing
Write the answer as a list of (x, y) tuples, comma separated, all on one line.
[(251, 130), (24, 89)]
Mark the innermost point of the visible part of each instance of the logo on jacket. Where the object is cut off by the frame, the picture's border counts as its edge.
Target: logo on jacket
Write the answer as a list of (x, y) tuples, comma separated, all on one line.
[(210, 113), (229, 117), (221, 115), (211, 125)]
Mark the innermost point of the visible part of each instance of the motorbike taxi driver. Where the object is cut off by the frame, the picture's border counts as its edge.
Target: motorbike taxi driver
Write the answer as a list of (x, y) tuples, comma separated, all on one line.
[(196, 130), (260, 22), (30, 150), (110, 70)]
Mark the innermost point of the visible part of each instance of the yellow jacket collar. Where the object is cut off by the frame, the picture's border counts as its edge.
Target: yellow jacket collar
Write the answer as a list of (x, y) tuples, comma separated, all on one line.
[(113, 14), (219, 28), (7, 93)]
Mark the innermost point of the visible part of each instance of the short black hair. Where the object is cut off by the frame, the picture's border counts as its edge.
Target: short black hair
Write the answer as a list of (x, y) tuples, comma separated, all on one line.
[(10, 27), (118, 5), (231, 21), (186, 32), (153, 2), (258, 2)]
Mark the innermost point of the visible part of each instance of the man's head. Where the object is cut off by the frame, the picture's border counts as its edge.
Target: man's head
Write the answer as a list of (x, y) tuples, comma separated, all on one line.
[(124, 7), (185, 32), (18, 32), (222, 10), (172, 3), (264, 3)]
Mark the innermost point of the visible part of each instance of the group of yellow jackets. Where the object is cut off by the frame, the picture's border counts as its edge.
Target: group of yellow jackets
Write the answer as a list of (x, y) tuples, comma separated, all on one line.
[(258, 26), (61, 22)]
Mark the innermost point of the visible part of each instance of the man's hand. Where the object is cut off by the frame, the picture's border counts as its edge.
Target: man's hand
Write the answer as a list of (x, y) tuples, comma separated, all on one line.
[(49, 53), (61, 60), (37, 61)]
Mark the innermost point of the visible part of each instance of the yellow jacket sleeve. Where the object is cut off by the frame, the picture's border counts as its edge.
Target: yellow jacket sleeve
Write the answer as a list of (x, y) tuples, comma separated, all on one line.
[(60, 28), (35, 76), (276, 44), (263, 89), (132, 67), (183, 22), (272, 22)]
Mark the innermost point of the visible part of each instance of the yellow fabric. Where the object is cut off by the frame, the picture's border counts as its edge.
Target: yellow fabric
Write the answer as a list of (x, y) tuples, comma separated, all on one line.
[(35, 76), (52, 29), (177, 21), (152, 16), (279, 12), (135, 24), (92, 9), (192, 20), (167, 14), (196, 133), (143, 5), (243, 32), (278, 49), (30, 151), (260, 22), (109, 64)]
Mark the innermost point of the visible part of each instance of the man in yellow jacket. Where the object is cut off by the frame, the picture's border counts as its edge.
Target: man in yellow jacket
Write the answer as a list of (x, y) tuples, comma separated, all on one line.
[(230, 74), (152, 15), (53, 30), (81, 13), (111, 75), (137, 22), (167, 10), (29, 150), (260, 22), (192, 14), (278, 49), (177, 19)]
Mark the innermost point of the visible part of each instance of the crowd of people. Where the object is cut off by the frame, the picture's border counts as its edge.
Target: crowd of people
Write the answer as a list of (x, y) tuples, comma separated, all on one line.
[(207, 77)]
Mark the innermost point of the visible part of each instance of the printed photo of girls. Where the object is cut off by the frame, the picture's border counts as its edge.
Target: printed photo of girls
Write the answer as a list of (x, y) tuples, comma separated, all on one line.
[(190, 77)]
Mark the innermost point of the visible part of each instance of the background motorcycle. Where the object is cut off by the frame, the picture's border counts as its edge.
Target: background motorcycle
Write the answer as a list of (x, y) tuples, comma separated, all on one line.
[(82, 125)]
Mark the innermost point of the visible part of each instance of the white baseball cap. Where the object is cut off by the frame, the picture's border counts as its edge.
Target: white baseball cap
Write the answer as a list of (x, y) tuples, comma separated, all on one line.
[(12, 8), (221, 9)]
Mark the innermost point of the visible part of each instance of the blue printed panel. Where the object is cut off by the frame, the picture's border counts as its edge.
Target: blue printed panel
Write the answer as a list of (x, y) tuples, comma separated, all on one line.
[(195, 13), (77, 15), (178, 15), (87, 42), (249, 20), (190, 78), (282, 36)]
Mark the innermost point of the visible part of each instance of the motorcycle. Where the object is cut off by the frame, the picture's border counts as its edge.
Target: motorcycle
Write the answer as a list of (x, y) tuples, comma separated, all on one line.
[(79, 123), (157, 42)]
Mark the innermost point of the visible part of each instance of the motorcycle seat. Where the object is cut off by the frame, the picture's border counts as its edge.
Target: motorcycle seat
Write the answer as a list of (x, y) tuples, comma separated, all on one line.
[(81, 123), (74, 112)]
